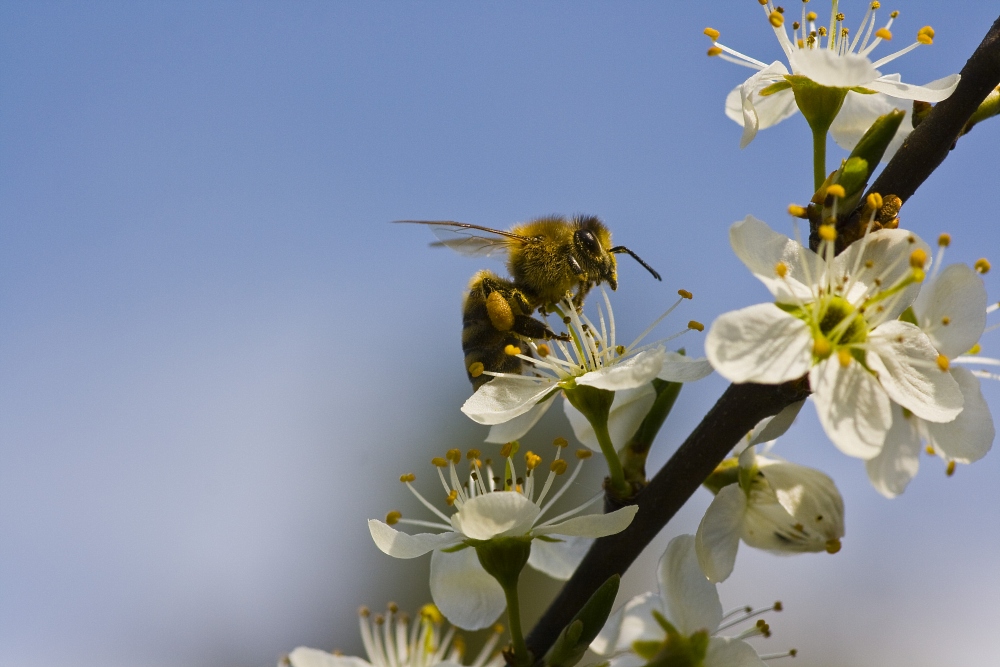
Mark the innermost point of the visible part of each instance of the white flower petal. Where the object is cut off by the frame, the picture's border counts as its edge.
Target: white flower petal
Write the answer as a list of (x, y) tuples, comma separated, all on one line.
[(679, 368), (559, 559), (761, 249), (501, 513), (828, 68), (592, 525), (887, 251), (718, 536), (760, 343), (467, 596), (731, 652), (899, 460), (503, 399), (852, 407), (518, 427), (627, 374), (935, 91), (905, 361), (629, 408), (631, 622), (398, 544), (742, 103), (690, 600), (311, 657), (771, 428), (970, 436), (956, 296), (860, 111)]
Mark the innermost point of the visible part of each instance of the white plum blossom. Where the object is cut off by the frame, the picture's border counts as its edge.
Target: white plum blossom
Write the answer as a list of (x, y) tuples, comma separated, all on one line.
[(834, 319), (513, 403), (489, 507), (951, 310), (393, 641), (683, 622), (774, 505), (830, 56)]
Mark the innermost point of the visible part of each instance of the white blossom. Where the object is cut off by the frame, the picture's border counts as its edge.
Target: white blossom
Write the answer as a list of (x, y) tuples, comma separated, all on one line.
[(834, 318), (774, 505), (831, 56), (513, 403), (393, 641), (684, 621), (488, 507)]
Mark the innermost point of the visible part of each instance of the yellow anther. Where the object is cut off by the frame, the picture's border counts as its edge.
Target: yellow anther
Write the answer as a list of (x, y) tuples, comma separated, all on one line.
[(797, 211), (869, 263), (828, 232), (982, 265), (926, 30), (795, 25), (844, 356), (454, 455), (930, 450), (392, 607), (811, 16), (458, 645), (778, 606), (762, 2), (840, 16), (822, 348), (944, 240), (832, 546), (976, 349), (893, 14), (776, 19), (558, 466), (476, 369), (945, 321), (942, 362), (918, 258), (452, 496), (684, 294), (509, 449), (512, 350), (781, 269), (364, 612), (822, 31), (584, 454), (698, 326), (925, 38), (794, 652), (393, 517), (874, 201), (543, 350), (836, 190), (712, 33), (379, 619), (473, 454), (713, 51), (950, 470), (876, 4), (408, 477), (531, 460), (431, 613), (439, 462), (619, 350), (561, 442)]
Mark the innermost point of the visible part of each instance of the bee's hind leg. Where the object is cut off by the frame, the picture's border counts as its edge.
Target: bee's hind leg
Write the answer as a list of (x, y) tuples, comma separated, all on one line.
[(529, 327)]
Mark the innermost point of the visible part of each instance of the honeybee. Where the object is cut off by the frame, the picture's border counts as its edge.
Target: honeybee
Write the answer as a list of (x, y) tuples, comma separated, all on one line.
[(547, 258)]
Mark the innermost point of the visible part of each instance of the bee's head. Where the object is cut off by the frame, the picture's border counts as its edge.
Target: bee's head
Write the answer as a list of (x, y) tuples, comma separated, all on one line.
[(592, 248)]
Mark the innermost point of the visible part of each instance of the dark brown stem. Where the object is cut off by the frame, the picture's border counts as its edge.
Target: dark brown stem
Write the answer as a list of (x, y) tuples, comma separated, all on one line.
[(741, 406)]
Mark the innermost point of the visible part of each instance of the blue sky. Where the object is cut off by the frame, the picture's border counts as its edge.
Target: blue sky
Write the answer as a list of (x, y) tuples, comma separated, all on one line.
[(217, 355)]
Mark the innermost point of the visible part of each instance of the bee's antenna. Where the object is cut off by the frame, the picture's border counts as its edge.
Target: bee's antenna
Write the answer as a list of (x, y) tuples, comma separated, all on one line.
[(620, 249)]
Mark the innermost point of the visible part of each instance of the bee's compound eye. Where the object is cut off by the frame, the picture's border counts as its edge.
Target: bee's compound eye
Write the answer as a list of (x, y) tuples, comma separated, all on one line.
[(589, 242)]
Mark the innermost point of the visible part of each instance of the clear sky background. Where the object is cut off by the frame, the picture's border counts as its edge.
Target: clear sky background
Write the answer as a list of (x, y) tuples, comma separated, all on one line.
[(217, 355)]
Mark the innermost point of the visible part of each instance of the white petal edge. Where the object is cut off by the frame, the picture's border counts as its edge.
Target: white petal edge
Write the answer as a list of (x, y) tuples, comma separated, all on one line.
[(679, 368), (760, 343), (503, 399), (690, 600), (852, 407), (629, 408), (592, 525), (771, 428), (304, 656), (467, 596), (398, 544), (891, 471), (494, 515), (628, 374), (558, 559), (518, 427), (956, 296), (718, 538), (935, 91), (761, 248), (970, 436), (731, 652), (631, 622)]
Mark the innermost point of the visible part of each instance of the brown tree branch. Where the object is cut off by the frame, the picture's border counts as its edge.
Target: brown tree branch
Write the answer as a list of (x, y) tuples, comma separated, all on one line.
[(741, 406)]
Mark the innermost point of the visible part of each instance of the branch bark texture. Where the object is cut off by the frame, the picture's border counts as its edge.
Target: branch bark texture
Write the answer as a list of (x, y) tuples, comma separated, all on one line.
[(741, 406)]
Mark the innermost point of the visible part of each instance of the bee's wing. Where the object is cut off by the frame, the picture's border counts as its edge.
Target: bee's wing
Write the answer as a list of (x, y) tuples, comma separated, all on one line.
[(470, 240)]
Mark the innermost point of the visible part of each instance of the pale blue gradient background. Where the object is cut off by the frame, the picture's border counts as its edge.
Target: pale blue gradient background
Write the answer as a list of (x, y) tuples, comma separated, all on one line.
[(216, 355)]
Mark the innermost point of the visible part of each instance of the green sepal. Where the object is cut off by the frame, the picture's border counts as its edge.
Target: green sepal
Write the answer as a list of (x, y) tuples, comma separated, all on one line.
[(503, 558), (775, 87), (909, 316), (872, 147), (593, 403), (548, 538), (725, 473), (675, 650), (819, 104), (853, 177), (456, 548), (573, 641)]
